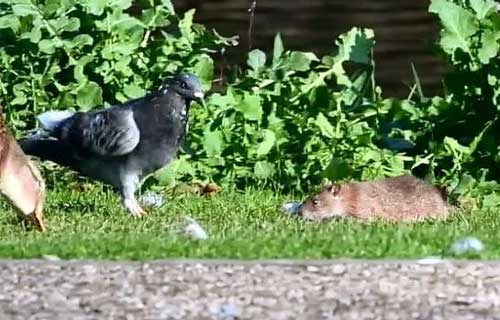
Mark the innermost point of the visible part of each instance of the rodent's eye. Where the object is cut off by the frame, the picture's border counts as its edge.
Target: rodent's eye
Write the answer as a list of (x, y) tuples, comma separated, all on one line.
[(315, 202), (184, 85)]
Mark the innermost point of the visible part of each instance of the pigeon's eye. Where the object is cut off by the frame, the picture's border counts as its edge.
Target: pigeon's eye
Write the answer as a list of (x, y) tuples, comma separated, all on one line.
[(184, 85)]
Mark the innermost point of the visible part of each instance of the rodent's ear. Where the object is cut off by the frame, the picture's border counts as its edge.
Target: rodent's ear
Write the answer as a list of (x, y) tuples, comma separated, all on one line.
[(335, 189)]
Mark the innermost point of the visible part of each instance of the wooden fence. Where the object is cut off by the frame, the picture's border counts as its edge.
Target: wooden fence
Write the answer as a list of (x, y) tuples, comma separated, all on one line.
[(405, 32)]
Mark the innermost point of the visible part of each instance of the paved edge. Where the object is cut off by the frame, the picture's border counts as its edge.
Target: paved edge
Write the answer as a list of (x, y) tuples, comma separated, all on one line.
[(291, 262)]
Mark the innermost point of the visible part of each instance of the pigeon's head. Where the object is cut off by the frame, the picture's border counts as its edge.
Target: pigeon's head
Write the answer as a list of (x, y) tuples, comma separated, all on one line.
[(187, 85)]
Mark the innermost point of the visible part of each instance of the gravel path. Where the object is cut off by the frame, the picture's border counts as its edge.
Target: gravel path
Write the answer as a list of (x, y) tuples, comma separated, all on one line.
[(249, 290)]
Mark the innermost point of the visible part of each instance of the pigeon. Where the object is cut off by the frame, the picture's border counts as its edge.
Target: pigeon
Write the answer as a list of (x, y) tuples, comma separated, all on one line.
[(20, 181), (121, 144)]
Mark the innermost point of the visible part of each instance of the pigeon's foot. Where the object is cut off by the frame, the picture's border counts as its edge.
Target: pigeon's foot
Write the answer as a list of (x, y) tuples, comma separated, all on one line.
[(134, 208)]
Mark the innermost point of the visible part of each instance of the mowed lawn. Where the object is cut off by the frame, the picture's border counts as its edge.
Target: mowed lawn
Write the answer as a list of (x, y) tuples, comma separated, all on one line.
[(91, 224)]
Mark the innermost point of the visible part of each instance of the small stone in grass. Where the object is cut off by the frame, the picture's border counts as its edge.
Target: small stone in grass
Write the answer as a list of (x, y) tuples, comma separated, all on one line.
[(152, 199), (194, 230), (467, 245), (51, 257), (291, 207)]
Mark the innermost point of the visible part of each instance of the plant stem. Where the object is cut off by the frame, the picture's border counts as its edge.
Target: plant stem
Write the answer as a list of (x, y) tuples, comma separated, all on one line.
[(251, 10)]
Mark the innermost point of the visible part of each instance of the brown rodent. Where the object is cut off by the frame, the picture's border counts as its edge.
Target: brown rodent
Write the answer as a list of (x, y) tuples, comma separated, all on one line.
[(20, 181), (402, 198)]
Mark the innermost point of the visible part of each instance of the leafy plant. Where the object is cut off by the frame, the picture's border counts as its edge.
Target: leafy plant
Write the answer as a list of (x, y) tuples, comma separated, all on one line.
[(59, 54), (291, 120)]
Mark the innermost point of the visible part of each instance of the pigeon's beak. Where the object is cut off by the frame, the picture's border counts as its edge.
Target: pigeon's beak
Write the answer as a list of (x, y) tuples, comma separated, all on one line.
[(200, 97)]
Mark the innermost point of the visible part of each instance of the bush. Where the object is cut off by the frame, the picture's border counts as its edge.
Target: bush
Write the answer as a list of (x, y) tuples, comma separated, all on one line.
[(59, 54), (291, 120)]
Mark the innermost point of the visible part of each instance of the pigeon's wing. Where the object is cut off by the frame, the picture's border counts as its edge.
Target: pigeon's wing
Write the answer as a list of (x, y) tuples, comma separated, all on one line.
[(109, 133)]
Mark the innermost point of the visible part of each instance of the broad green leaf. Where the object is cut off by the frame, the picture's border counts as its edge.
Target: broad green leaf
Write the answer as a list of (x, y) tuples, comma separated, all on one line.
[(212, 142), (121, 4), (256, 59), (278, 48), (89, 96), (134, 91), (324, 125), (71, 25), (34, 35), (337, 169), (489, 46), (263, 170), (267, 144), (23, 10), (168, 4), (483, 8), (80, 41), (458, 25), (78, 71), (168, 175), (454, 147), (95, 7), (355, 46), (47, 46), (10, 21), (204, 69), (250, 106), (301, 61), (222, 101), (186, 24)]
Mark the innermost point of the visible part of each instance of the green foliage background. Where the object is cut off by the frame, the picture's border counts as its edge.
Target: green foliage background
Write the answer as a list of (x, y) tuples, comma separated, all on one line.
[(287, 120)]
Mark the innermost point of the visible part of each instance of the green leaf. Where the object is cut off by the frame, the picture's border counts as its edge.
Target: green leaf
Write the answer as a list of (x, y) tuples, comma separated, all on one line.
[(168, 4), (263, 170), (79, 68), (278, 48), (204, 69), (267, 144), (89, 96), (212, 142), (489, 46), (71, 25), (301, 61), (47, 46), (324, 125), (9, 21), (222, 101), (95, 7), (256, 59), (337, 169), (134, 91), (80, 41), (23, 10), (355, 46), (186, 24), (458, 25), (250, 106), (483, 8)]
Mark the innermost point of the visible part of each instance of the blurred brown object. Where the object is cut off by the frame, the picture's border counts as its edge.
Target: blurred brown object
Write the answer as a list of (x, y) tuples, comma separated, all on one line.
[(20, 181)]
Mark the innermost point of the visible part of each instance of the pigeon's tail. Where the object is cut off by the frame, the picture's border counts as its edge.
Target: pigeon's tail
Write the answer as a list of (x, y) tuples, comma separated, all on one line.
[(49, 149), (51, 119)]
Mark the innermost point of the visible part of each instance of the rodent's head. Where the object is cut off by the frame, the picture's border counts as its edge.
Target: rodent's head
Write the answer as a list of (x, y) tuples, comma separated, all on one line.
[(324, 205)]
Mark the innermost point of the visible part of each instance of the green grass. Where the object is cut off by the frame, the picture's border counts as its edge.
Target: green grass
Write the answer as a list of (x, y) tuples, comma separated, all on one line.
[(92, 224)]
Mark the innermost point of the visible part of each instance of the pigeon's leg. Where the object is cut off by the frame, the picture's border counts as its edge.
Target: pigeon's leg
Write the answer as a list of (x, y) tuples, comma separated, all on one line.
[(129, 186)]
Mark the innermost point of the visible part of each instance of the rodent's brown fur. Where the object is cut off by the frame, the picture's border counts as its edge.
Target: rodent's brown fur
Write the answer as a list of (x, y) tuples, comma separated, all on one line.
[(20, 181), (402, 198)]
